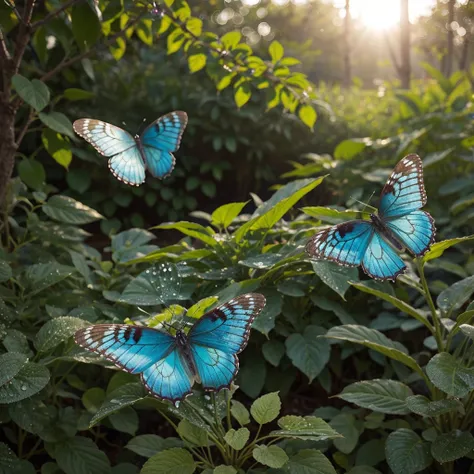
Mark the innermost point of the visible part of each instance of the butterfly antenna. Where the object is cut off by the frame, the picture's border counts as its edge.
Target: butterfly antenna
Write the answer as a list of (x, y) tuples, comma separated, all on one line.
[(140, 128), (372, 208)]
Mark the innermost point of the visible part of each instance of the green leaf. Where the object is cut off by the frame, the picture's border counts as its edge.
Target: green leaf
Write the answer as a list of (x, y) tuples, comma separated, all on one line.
[(16, 341), (450, 446), (224, 470), (333, 216), (345, 424), (350, 148), (335, 276), (80, 455), (450, 375), (10, 464), (191, 229), (363, 470), (383, 396), (56, 331), (266, 408), (224, 215), (423, 406), (57, 146), (131, 244), (93, 398), (144, 31), (196, 62), (123, 396), (265, 321), (401, 305), (58, 122), (171, 461), (30, 379), (272, 456), (276, 51), (308, 352), (149, 444), (35, 93), (273, 351), (456, 295), (30, 414), (309, 461), (375, 340), (126, 420), (68, 210), (240, 413), (308, 428), (43, 275), (86, 27), (307, 115), (242, 95), (32, 173), (237, 439), (406, 452), (78, 94), (231, 39), (193, 434), (5, 271), (201, 307), (10, 365), (438, 248)]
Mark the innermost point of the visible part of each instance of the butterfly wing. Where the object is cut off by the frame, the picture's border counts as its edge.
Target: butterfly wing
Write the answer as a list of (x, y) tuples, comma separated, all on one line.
[(160, 139), (344, 243), (169, 378), (415, 230), (218, 337), (132, 348), (126, 163), (381, 261), (404, 191)]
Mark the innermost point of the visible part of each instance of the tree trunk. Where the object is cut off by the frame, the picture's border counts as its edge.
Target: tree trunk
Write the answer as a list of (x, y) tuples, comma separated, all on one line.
[(450, 47), (405, 65), (7, 144), (347, 46), (463, 60)]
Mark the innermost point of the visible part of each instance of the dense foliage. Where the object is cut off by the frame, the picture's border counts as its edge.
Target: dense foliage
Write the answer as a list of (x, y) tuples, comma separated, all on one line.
[(342, 374)]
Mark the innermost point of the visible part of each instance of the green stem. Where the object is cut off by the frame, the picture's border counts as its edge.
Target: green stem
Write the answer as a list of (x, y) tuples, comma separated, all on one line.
[(434, 315)]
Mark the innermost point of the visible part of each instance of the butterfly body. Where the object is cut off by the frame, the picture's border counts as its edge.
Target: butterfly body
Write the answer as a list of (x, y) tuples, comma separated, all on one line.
[(398, 225), (169, 365), (131, 155)]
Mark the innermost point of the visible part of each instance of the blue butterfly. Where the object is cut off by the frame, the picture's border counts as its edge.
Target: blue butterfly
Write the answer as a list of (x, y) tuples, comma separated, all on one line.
[(130, 156), (169, 365), (399, 224)]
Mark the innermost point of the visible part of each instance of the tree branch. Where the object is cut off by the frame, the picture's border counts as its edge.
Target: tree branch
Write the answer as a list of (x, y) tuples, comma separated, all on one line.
[(24, 34), (54, 14), (4, 53)]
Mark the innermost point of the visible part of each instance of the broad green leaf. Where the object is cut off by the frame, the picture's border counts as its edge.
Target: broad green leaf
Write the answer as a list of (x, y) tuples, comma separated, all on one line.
[(431, 158), (450, 375), (231, 39), (79, 180), (309, 461), (32, 173), (78, 94), (10, 464), (224, 470), (240, 413), (276, 51), (56, 331), (80, 455), (193, 434), (124, 396), (196, 62), (34, 93), (57, 146), (308, 351), (383, 396), (192, 229), (30, 414), (265, 321), (308, 115), (125, 420), (461, 204), (332, 216), (86, 27), (266, 260), (132, 244), (149, 444), (171, 461), (456, 295), (438, 248), (345, 424), (335, 276), (467, 329), (201, 307), (10, 365), (349, 148), (461, 320), (43, 275), (144, 31), (93, 398), (266, 408), (30, 379), (68, 210), (242, 95), (305, 428), (401, 305), (237, 439), (406, 452), (58, 122), (451, 446), (375, 340), (16, 341), (423, 406), (272, 456), (224, 215), (5, 271), (273, 351)]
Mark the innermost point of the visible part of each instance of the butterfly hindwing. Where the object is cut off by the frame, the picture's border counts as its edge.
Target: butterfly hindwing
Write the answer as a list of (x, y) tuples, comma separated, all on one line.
[(344, 243), (132, 348), (415, 230), (405, 190), (128, 166)]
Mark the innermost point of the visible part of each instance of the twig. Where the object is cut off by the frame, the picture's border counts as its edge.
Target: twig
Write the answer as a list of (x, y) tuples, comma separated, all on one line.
[(23, 35), (4, 53), (24, 129), (54, 14)]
